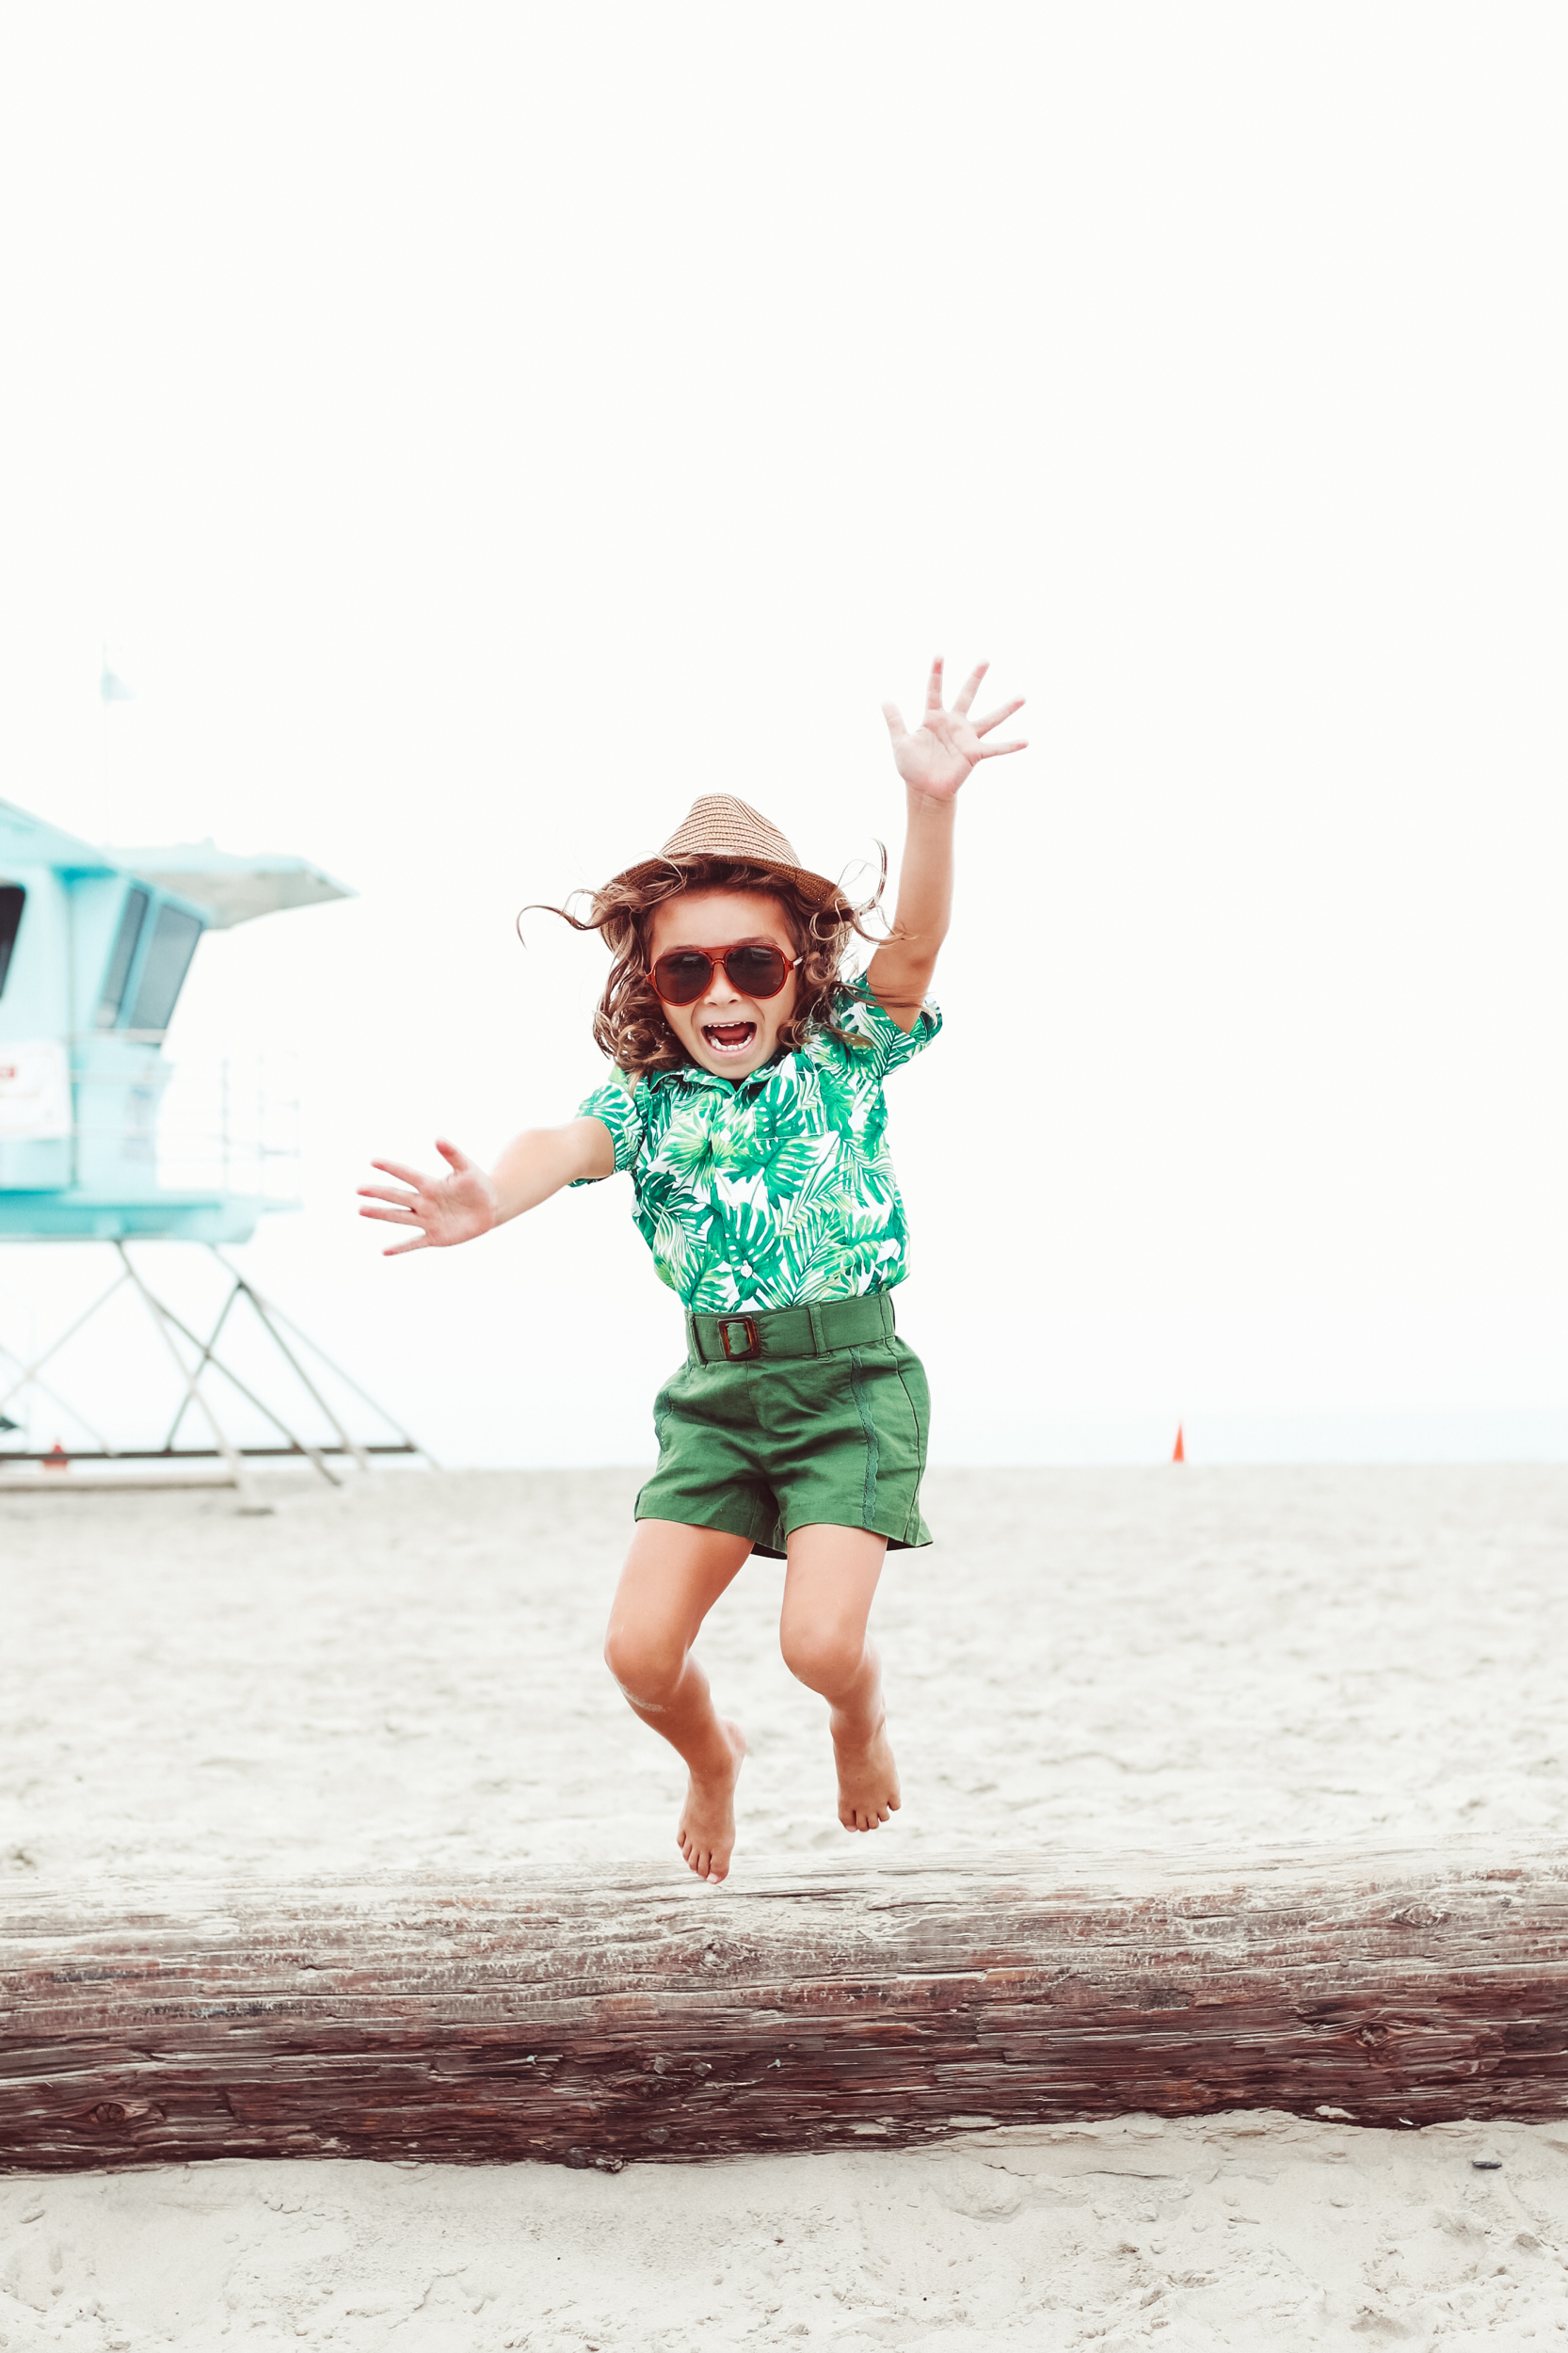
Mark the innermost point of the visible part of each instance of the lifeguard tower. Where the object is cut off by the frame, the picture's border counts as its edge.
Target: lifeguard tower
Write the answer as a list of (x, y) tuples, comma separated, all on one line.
[(95, 946)]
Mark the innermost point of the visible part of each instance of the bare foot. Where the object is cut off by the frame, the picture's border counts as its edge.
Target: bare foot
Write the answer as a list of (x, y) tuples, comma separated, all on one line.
[(707, 1833), (868, 1780)]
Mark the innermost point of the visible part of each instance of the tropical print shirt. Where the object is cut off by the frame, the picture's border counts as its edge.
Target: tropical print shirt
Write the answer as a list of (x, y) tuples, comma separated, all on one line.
[(777, 1189)]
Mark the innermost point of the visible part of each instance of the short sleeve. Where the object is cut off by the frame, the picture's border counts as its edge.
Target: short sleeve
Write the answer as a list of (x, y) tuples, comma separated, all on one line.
[(865, 1018), (616, 1103)]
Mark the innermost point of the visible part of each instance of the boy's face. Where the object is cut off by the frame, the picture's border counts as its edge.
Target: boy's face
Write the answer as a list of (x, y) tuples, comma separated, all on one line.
[(725, 1031)]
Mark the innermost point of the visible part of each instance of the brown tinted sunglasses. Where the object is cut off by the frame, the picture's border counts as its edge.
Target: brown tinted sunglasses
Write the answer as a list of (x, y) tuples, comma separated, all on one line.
[(685, 974)]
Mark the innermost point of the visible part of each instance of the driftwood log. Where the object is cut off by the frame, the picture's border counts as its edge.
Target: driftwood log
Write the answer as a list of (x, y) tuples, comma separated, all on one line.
[(593, 2022)]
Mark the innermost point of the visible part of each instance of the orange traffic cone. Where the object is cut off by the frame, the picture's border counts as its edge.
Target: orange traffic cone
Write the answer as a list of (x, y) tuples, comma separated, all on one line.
[(1180, 1454), (57, 1458)]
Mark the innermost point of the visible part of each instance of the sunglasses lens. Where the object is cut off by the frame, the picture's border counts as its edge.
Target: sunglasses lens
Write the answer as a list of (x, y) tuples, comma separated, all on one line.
[(681, 977), (757, 972)]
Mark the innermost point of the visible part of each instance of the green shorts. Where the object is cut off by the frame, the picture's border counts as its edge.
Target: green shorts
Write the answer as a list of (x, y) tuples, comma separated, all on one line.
[(798, 1417)]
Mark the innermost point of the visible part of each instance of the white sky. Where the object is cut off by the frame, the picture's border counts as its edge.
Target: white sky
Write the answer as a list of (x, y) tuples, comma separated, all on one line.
[(478, 431)]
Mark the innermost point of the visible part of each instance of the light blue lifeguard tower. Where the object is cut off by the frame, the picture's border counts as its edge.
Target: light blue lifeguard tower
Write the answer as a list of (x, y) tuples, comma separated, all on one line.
[(95, 946)]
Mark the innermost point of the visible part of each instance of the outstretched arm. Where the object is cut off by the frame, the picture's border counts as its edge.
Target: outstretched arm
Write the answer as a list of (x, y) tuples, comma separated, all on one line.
[(934, 761), (469, 1200)]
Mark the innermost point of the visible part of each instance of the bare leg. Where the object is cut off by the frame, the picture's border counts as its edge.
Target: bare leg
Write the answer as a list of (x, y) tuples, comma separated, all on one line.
[(673, 1577), (828, 1591)]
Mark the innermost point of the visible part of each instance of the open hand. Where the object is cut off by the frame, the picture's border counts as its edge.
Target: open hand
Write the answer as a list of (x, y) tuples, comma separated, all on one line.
[(937, 756), (445, 1210)]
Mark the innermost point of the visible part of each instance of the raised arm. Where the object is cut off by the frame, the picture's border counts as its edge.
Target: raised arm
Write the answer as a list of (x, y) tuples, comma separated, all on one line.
[(468, 1200), (934, 761)]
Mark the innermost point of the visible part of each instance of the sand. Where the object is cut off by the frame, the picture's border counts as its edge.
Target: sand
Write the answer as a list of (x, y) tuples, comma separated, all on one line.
[(406, 1673)]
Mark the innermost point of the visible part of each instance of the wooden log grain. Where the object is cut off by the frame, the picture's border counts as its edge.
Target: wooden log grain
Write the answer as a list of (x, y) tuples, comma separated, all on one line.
[(593, 2022)]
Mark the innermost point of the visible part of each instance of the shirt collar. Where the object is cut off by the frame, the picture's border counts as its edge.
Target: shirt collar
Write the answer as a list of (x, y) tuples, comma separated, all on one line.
[(691, 1074)]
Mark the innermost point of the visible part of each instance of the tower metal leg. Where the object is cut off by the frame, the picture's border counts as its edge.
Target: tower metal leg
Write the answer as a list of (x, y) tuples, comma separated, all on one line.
[(206, 1357), (272, 1317), (249, 1500), (350, 1445), (293, 1346), (29, 1378)]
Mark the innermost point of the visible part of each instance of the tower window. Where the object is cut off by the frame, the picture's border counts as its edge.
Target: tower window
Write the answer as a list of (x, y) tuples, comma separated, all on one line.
[(164, 969), (13, 900), (125, 955)]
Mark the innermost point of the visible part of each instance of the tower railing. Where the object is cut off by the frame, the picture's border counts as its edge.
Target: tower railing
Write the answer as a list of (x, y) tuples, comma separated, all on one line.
[(226, 1123)]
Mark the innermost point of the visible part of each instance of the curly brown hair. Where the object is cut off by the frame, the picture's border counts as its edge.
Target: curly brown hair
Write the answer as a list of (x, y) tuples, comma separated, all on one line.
[(629, 1020)]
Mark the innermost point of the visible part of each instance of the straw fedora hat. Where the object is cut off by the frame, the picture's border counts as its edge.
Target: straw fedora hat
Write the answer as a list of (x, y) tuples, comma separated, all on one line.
[(718, 825)]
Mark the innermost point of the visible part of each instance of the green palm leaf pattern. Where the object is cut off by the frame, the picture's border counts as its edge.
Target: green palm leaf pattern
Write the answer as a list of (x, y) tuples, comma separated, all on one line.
[(778, 1190)]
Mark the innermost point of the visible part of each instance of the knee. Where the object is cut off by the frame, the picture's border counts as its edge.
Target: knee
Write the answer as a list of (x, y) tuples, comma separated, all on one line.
[(826, 1658), (646, 1661)]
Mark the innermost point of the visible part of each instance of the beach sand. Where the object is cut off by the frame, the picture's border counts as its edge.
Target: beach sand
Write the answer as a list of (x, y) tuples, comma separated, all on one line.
[(405, 1674)]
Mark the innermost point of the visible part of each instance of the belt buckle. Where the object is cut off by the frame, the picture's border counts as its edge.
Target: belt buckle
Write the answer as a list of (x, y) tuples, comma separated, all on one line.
[(753, 1346)]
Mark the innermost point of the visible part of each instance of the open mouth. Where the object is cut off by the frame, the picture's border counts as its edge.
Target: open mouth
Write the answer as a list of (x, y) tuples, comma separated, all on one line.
[(729, 1037)]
